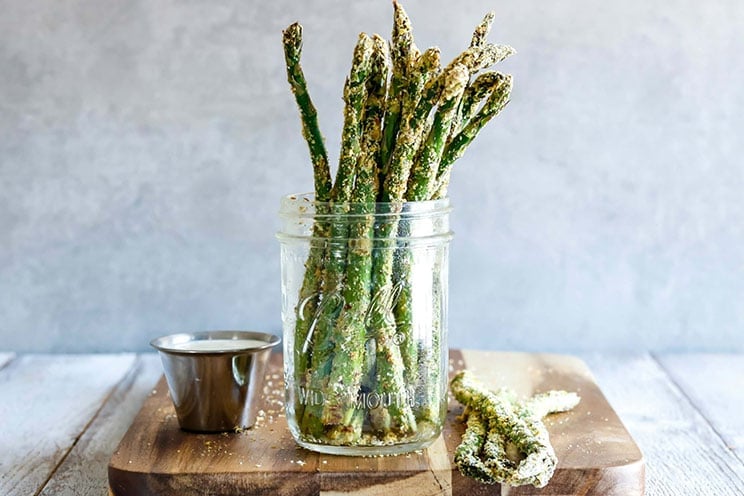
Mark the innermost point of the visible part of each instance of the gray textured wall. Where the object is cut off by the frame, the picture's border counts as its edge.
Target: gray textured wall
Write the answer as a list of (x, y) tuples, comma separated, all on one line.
[(144, 146)]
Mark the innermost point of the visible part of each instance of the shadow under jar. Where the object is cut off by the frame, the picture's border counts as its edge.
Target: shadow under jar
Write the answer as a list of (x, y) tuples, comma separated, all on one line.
[(364, 310)]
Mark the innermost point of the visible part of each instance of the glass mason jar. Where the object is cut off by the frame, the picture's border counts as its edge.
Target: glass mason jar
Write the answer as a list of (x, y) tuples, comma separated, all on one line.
[(364, 310)]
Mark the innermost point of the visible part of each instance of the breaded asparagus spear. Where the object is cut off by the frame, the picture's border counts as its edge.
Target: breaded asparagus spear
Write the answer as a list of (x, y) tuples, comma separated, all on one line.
[(390, 366), (292, 37), (425, 69), (508, 443), (497, 100), (312, 281), (402, 52), (350, 332), (422, 175), (478, 40), (481, 30), (424, 171), (335, 266), (473, 96)]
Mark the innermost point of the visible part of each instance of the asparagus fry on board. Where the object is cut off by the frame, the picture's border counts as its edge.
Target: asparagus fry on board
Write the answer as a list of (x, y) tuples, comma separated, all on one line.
[(505, 440)]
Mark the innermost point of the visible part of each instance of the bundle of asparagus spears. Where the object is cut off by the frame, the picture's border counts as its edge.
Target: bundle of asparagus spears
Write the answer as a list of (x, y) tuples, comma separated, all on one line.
[(505, 441), (403, 129)]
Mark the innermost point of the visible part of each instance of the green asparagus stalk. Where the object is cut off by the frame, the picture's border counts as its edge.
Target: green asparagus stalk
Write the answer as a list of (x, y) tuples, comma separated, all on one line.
[(534, 468), (422, 174), (402, 52), (478, 40), (292, 37), (471, 392), (425, 69), (311, 285), (424, 171), (502, 423), (473, 96), (355, 93), (496, 102), (409, 138), (511, 466), (351, 328), (477, 57), (468, 452), (335, 266), (390, 367)]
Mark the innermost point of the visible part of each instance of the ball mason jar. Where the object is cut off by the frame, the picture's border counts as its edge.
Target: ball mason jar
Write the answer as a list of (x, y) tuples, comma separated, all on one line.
[(364, 311)]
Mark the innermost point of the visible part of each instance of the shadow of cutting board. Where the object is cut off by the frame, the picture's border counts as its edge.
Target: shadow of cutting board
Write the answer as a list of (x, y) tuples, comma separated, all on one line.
[(596, 454)]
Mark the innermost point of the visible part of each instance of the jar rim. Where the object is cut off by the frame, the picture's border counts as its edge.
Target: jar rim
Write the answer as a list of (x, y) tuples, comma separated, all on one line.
[(292, 205), (303, 219), (377, 243)]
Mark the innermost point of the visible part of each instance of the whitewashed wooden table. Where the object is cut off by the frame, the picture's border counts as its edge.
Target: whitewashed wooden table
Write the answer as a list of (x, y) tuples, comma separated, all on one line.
[(62, 416)]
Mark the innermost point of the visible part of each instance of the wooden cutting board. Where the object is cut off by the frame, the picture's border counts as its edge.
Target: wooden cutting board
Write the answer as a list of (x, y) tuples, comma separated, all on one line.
[(596, 454)]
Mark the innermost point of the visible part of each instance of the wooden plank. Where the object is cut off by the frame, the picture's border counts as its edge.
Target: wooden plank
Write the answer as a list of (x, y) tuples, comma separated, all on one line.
[(5, 358), (84, 470), (714, 383), (684, 454), (48, 400), (156, 457)]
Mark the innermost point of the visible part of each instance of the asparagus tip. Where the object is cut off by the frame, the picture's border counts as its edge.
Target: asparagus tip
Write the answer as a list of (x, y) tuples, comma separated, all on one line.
[(481, 30), (292, 39), (294, 30), (431, 58), (401, 21), (455, 81)]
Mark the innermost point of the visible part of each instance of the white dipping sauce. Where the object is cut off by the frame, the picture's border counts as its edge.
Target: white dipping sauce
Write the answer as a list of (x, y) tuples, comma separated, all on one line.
[(219, 345)]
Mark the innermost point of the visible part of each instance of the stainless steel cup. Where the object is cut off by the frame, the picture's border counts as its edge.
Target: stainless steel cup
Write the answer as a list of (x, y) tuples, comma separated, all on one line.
[(214, 377)]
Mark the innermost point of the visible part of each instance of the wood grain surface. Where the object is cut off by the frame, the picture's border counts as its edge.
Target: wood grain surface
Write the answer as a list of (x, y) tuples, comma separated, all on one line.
[(676, 405), (51, 399), (84, 471), (5, 358), (686, 456), (596, 454), (714, 383)]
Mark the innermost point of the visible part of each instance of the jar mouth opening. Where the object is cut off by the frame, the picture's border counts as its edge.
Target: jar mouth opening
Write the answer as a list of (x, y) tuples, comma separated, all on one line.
[(303, 205), (395, 243)]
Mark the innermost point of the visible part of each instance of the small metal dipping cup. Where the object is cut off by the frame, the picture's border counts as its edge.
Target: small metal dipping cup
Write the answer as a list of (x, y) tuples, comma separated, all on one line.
[(215, 377)]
